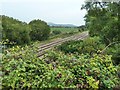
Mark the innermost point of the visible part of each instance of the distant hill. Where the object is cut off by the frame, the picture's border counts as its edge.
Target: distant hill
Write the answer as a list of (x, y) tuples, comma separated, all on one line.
[(61, 25)]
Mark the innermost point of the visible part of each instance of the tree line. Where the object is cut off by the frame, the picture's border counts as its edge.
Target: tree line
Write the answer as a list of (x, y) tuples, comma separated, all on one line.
[(103, 20), (22, 33)]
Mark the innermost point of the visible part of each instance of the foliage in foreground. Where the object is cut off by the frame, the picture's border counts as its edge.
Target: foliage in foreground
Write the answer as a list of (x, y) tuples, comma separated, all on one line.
[(23, 69)]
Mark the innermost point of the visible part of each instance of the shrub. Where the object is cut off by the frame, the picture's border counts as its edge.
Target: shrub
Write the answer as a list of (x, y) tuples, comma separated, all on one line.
[(89, 45), (56, 32), (15, 30), (115, 52), (39, 30)]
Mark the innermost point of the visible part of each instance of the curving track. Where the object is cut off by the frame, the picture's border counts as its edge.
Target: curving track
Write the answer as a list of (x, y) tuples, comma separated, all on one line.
[(45, 47)]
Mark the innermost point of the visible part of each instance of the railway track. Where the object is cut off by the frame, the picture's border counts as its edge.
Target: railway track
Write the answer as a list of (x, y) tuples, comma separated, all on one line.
[(43, 48)]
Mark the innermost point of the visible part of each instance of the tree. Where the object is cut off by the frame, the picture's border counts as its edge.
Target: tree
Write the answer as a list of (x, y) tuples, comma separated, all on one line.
[(102, 20), (39, 30), (15, 30)]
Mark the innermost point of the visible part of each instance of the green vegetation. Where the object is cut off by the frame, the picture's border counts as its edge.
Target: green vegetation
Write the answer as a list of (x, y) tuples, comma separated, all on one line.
[(57, 70), (93, 63), (21, 33), (56, 32), (89, 45), (39, 30), (102, 19), (64, 30), (14, 30)]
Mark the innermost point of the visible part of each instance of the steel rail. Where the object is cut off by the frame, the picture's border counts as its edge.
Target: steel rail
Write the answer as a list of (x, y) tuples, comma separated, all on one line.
[(43, 48)]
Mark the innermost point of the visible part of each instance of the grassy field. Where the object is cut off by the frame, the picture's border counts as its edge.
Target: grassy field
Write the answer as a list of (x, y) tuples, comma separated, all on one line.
[(65, 30)]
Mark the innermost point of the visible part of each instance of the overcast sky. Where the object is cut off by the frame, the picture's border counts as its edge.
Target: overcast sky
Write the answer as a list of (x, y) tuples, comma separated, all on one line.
[(56, 11)]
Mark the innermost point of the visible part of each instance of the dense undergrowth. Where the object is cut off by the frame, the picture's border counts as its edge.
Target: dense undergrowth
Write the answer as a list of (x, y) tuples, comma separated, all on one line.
[(21, 68), (90, 46)]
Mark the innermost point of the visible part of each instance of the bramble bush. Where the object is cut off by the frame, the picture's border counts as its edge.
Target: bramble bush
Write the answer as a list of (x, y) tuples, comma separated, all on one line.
[(95, 72), (23, 69)]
